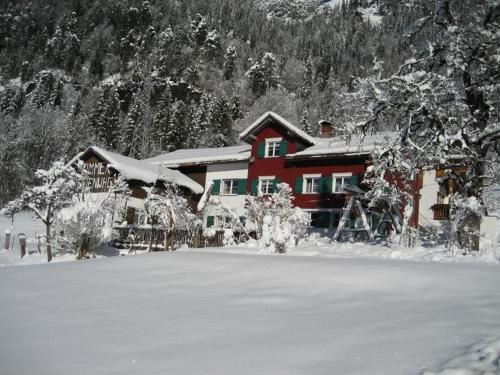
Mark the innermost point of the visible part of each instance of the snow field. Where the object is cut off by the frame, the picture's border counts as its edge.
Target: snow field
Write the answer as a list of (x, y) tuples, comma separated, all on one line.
[(201, 312)]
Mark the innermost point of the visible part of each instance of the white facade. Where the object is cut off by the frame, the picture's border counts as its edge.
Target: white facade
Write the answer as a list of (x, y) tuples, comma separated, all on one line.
[(221, 172)]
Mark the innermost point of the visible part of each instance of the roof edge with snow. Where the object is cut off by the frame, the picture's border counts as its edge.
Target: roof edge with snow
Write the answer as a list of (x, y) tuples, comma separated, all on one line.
[(133, 169), (261, 121)]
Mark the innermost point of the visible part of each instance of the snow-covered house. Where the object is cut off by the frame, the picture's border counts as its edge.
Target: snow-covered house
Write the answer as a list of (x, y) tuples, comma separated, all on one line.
[(103, 167), (223, 171), (317, 168)]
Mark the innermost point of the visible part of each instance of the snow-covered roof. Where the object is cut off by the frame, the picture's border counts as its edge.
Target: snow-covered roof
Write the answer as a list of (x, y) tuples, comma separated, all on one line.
[(358, 145), (202, 156), (133, 169), (261, 121)]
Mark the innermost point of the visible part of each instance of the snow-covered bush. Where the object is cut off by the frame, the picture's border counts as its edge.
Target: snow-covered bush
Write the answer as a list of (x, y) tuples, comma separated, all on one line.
[(232, 223), (84, 225), (277, 223)]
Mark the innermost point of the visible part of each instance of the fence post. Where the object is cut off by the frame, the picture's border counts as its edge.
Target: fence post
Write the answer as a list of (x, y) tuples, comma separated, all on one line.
[(22, 244), (7, 239)]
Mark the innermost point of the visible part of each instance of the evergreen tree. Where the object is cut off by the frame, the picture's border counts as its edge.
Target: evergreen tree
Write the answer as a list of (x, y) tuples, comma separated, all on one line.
[(306, 125), (229, 62), (263, 75), (105, 117)]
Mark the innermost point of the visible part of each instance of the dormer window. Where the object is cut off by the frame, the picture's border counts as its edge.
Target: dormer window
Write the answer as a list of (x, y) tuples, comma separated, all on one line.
[(273, 146)]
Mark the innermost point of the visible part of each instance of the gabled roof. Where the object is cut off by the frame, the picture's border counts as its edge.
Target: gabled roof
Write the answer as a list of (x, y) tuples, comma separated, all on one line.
[(358, 145), (202, 156), (262, 121), (133, 169)]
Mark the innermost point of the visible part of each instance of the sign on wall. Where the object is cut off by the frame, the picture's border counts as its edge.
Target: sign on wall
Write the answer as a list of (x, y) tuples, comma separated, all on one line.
[(99, 178)]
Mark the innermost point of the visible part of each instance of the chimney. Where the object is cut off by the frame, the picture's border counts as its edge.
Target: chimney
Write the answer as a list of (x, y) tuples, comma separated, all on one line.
[(326, 129)]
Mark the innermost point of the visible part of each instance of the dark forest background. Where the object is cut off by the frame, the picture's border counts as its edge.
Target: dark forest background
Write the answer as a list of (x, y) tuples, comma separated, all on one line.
[(146, 77)]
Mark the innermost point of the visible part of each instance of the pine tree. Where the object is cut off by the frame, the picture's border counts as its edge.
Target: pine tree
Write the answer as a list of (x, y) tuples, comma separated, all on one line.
[(306, 125), (307, 83), (263, 74), (105, 118), (229, 62), (212, 45)]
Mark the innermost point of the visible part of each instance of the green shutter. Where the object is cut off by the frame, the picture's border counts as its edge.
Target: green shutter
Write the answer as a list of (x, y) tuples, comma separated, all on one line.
[(243, 220), (353, 181), (283, 148), (275, 183), (261, 150), (329, 184), (298, 184), (216, 187), (210, 221), (325, 184), (254, 187), (242, 186)]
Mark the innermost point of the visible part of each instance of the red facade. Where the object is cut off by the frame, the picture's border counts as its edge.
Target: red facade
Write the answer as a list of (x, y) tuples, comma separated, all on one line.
[(288, 170)]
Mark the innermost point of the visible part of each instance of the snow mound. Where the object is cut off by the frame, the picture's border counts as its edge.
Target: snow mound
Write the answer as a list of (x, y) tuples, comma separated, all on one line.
[(482, 358)]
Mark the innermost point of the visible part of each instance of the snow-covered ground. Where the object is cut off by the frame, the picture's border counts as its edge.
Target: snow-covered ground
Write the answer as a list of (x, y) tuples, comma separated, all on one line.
[(202, 312)]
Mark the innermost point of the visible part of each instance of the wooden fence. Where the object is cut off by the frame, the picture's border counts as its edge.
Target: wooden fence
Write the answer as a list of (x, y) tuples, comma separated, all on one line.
[(142, 238)]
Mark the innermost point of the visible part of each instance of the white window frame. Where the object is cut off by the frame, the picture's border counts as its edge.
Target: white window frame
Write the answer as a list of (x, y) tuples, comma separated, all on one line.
[(334, 181), (304, 183), (276, 151), (234, 184), (265, 178)]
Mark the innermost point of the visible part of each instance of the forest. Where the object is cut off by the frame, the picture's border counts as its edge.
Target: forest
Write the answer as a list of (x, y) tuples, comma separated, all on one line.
[(146, 77)]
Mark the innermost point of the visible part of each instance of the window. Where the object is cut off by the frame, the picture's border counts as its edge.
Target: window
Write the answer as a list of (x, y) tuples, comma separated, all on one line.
[(273, 147), (325, 219), (339, 182), (320, 219), (336, 216), (266, 185), (230, 187), (312, 184)]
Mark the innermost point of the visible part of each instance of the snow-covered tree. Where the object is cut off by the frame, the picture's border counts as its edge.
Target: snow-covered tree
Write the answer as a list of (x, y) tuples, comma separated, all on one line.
[(443, 103), (263, 74), (277, 223), (212, 45), (105, 117), (57, 188), (229, 62), (168, 210), (84, 224), (233, 222)]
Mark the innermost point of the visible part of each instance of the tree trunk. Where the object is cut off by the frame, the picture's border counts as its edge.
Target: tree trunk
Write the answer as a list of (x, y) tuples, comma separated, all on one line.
[(49, 245), (84, 246)]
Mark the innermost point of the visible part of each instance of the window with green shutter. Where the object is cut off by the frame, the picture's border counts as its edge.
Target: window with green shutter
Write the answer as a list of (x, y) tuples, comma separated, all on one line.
[(216, 187), (298, 184), (210, 221), (283, 148), (261, 149)]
